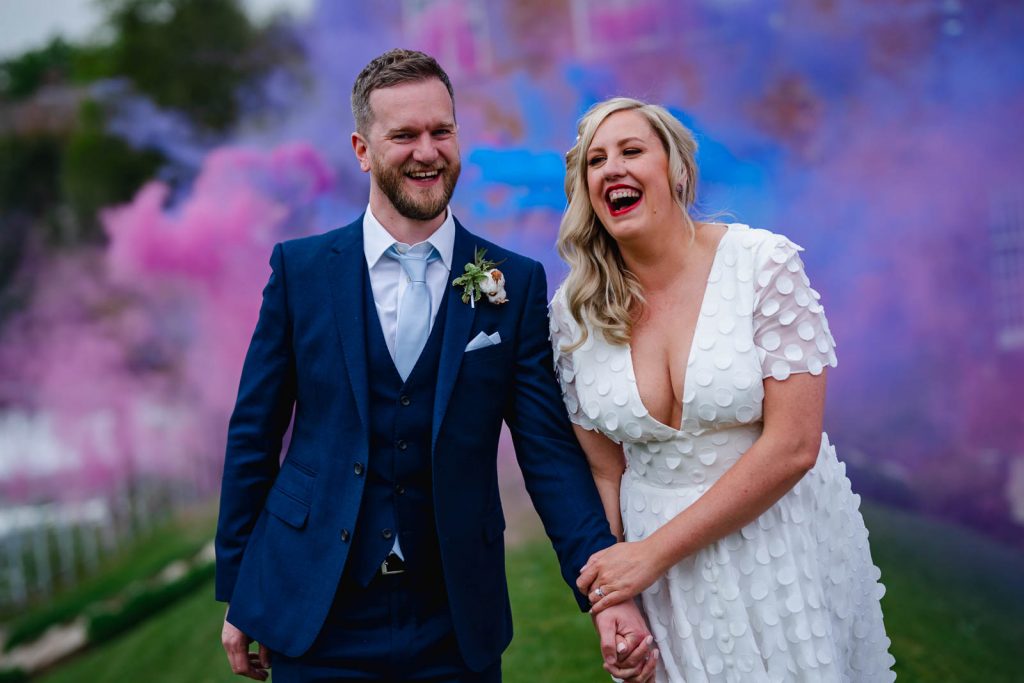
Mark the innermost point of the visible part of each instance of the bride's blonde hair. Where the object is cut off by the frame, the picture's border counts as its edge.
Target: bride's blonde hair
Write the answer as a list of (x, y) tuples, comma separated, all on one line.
[(600, 289)]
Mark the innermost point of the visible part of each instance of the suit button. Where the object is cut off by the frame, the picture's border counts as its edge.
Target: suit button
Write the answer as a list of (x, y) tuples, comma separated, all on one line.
[(358, 468), (344, 535), (399, 489), (387, 533), (401, 444), (405, 400)]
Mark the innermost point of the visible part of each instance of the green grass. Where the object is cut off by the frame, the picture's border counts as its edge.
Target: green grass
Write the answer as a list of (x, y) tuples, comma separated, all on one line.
[(179, 645), (954, 610), (553, 640), (954, 603), (141, 605), (176, 539)]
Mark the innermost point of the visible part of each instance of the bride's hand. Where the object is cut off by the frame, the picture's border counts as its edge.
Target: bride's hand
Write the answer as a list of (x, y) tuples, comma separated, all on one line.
[(619, 573)]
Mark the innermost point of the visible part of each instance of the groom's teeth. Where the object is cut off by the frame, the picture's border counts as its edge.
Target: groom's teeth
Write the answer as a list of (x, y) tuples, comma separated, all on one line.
[(423, 174)]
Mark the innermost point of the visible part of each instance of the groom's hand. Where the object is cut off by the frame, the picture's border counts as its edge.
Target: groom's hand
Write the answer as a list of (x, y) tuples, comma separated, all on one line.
[(626, 643), (244, 663)]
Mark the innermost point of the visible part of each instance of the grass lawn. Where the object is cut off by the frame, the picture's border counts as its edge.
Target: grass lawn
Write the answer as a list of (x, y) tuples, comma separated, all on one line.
[(954, 603), (179, 645), (954, 610), (170, 541)]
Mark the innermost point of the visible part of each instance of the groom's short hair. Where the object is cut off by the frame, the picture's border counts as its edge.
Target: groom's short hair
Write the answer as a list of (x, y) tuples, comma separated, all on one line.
[(394, 67)]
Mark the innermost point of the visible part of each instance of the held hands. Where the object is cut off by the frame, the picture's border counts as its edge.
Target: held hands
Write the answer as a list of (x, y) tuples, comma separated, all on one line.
[(244, 663), (626, 643), (619, 573)]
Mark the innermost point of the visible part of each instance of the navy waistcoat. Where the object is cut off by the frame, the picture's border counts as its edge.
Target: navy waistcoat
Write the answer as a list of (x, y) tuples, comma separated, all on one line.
[(398, 496)]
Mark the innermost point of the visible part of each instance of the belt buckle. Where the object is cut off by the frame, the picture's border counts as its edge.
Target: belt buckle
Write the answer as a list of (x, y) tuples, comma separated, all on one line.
[(387, 571)]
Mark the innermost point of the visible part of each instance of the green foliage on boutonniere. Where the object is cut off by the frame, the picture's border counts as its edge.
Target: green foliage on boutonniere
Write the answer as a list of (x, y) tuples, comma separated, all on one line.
[(474, 275)]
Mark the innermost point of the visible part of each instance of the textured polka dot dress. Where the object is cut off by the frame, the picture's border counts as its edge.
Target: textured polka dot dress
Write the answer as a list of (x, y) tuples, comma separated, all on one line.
[(793, 596)]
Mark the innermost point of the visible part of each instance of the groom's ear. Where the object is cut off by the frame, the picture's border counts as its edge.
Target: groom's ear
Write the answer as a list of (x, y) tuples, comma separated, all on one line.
[(361, 149)]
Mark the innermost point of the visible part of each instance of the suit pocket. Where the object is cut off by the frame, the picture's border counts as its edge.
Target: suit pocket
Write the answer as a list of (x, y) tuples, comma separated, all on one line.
[(290, 497), (289, 510), (496, 353)]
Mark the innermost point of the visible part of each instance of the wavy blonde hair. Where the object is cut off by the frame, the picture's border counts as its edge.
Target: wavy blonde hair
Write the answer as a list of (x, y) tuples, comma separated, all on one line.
[(600, 289)]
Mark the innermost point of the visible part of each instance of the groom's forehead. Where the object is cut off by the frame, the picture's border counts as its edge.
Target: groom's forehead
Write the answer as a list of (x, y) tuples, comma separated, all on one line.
[(427, 102)]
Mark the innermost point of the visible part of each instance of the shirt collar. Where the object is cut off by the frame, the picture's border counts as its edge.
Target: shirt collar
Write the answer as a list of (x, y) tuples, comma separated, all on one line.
[(377, 240)]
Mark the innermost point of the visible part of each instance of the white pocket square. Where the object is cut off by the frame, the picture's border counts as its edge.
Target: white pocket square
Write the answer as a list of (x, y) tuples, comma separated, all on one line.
[(482, 341)]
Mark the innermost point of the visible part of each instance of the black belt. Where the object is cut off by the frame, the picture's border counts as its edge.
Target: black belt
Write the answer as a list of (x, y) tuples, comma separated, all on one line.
[(392, 564)]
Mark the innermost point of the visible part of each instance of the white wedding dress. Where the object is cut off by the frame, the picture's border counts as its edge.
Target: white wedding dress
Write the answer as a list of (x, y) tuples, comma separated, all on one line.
[(794, 595)]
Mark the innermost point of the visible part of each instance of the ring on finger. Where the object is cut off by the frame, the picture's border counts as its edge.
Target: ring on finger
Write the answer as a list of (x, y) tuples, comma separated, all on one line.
[(600, 592)]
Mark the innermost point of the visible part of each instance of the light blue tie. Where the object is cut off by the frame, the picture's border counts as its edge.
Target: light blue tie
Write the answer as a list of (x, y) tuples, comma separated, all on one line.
[(414, 313)]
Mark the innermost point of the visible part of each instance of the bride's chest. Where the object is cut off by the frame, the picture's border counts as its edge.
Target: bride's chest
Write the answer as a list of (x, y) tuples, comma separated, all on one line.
[(658, 348), (713, 380)]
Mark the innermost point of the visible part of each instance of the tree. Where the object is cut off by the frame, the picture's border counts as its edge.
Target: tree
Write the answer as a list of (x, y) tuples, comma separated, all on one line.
[(193, 56), (99, 170), (58, 62), (189, 55)]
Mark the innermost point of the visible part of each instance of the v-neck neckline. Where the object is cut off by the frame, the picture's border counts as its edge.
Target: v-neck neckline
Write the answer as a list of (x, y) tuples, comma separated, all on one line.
[(693, 340)]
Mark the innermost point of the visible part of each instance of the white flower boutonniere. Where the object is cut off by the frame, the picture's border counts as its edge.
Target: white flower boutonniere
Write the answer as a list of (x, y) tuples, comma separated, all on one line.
[(480, 278)]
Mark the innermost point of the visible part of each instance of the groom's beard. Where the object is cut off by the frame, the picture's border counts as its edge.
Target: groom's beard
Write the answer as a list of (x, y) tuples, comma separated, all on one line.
[(424, 205)]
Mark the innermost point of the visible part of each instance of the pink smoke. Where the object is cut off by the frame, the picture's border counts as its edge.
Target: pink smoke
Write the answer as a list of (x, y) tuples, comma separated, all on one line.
[(135, 353)]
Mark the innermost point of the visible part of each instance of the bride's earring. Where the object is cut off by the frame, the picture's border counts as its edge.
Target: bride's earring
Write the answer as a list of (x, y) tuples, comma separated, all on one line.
[(681, 186)]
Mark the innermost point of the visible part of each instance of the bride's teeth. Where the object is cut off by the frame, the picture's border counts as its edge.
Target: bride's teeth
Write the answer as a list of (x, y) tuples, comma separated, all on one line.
[(622, 193)]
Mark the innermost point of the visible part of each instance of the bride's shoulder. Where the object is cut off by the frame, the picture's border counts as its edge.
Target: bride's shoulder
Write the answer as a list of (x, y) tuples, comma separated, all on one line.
[(558, 305), (762, 245), (559, 296), (558, 312)]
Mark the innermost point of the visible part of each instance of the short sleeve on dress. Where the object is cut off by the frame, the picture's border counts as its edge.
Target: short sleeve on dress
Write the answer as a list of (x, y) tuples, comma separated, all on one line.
[(563, 332), (790, 329)]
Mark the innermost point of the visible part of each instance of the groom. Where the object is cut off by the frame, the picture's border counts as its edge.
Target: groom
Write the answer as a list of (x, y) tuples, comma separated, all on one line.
[(374, 550)]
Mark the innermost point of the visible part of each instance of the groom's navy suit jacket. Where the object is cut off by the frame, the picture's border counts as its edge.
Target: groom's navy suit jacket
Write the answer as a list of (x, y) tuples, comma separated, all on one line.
[(285, 527)]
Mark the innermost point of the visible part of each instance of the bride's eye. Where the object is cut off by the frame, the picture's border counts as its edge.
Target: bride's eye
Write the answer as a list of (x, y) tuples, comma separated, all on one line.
[(595, 160)]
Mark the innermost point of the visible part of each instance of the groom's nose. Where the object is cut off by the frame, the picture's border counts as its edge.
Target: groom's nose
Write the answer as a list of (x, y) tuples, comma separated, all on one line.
[(425, 151)]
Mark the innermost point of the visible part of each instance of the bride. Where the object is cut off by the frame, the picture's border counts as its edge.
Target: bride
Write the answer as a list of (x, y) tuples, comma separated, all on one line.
[(692, 358)]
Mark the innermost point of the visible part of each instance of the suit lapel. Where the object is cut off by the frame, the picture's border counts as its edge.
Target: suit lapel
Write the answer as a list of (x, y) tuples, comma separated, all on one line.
[(346, 263), (457, 324)]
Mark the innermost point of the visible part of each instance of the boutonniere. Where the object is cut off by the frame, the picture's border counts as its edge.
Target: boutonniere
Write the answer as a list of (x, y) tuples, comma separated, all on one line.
[(481, 278)]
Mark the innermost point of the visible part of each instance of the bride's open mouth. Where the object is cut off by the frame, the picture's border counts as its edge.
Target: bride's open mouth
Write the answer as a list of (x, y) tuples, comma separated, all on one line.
[(622, 199)]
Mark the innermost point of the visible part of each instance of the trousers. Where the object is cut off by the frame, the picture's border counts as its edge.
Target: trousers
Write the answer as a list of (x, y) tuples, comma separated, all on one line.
[(396, 629)]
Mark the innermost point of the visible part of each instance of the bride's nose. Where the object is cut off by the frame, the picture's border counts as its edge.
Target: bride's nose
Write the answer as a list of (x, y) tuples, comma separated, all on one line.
[(614, 168)]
